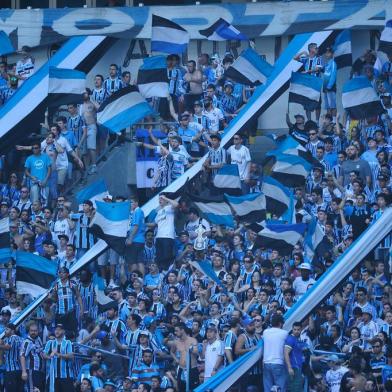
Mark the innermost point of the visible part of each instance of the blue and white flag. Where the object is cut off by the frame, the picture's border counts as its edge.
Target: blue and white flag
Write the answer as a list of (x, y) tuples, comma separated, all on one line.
[(289, 146), (5, 233), (248, 208), (122, 109), (386, 39), (103, 300), (290, 170), (65, 86), (152, 78), (227, 179), (66, 81), (96, 191), (277, 196), (167, 36), (305, 89), (216, 211), (313, 239), (34, 274), (249, 69), (360, 99), (206, 269), (222, 31), (281, 237), (111, 224), (343, 55)]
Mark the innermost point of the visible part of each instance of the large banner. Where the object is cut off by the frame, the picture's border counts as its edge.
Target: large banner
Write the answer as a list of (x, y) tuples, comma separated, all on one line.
[(146, 159), (34, 27)]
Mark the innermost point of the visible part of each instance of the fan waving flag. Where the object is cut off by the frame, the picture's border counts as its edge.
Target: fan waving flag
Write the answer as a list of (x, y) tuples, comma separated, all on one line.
[(34, 274), (103, 300), (65, 86), (222, 31), (277, 196), (4, 233), (215, 210), (248, 208), (111, 223), (314, 240), (386, 39), (249, 69), (343, 55), (289, 146), (280, 236), (95, 191), (122, 109), (167, 36), (290, 170), (227, 179), (305, 89), (206, 269), (360, 99), (152, 77)]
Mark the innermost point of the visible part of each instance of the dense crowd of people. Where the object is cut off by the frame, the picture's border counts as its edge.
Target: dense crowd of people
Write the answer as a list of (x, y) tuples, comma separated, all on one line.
[(169, 327)]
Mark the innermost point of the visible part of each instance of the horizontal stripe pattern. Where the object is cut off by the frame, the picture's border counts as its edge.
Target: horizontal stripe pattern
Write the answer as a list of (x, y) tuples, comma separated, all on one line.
[(222, 30), (343, 50), (228, 177), (248, 208), (4, 225), (35, 262), (32, 289), (152, 78), (218, 213), (125, 108), (277, 196), (305, 93)]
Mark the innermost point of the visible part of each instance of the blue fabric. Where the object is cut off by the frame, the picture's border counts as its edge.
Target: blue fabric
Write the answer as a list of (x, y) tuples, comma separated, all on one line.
[(38, 166), (137, 218)]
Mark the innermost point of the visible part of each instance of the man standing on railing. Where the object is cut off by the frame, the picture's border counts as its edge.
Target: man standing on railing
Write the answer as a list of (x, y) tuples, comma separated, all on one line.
[(274, 369)]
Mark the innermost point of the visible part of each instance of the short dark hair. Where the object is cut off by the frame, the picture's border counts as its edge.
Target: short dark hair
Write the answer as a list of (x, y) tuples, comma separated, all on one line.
[(192, 62), (114, 65), (297, 324), (277, 320), (100, 76)]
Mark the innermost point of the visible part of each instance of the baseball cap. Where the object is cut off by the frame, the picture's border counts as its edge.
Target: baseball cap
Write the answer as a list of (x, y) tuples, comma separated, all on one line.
[(59, 326), (299, 115), (305, 266), (333, 358), (228, 83), (183, 116), (60, 236)]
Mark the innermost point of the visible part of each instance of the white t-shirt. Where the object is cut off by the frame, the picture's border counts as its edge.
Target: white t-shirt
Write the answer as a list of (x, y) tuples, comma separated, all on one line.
[(61, 227), (191, 227), (62, 157), (334, 378), (165, 222), (213, 118), (241, 157), (273, 349), (301, 287), (213, 351)]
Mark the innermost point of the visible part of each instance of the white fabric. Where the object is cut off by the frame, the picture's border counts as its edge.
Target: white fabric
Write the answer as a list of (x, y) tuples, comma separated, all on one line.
[(334, 378), (273, 350), (305, 91), (213, 351), (165, 222), (301, 287), (213, 117), (241, 157)]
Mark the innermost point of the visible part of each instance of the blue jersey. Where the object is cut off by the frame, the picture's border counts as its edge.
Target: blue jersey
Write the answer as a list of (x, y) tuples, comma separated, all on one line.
[(137, 218), (83, 239), (12, 362), (76, 124), (99, 96), (65, 297), (112, 85)]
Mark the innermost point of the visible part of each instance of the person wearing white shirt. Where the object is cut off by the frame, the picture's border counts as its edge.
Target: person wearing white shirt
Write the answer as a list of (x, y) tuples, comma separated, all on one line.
[(213, 351), (165, 232), (335, 374), (274, 369), (302, 283), (214, 116), (240, 155)]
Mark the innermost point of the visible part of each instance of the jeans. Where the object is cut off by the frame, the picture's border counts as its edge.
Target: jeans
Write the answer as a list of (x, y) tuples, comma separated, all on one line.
[(296, 381), (274, 374)]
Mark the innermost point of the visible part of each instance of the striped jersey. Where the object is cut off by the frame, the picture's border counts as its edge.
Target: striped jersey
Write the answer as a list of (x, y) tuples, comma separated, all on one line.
[(31, 349), (65, 296), (25, 67), (87, 293), (149, 253), (83, 239), (11, 357), (76, 125), (99, 95), (216, 157), (112, 85), (59, 367), (143, 373), (312, 147), (117, 327)]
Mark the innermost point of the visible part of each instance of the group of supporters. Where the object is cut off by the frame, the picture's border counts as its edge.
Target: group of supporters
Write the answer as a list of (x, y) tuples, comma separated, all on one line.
[(169, 326)]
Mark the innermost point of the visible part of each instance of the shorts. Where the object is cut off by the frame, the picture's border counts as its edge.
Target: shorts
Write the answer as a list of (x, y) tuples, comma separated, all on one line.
[(102, 132), (330, 99), (109, 257), (61, 176), (134, 253), (92, 137)]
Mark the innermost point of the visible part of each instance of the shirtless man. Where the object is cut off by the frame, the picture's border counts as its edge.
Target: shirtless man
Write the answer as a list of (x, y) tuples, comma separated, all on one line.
[(179, 350), (88, 112)]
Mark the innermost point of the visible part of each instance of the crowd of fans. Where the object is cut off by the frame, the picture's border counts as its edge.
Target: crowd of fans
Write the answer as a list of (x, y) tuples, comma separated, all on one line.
[(169, 325)]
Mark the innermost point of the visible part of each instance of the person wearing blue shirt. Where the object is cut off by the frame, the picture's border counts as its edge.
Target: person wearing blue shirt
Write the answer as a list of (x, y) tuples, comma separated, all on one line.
[(330, 156), (329, 82), (134, 253), (38, 168), (228, 103)]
